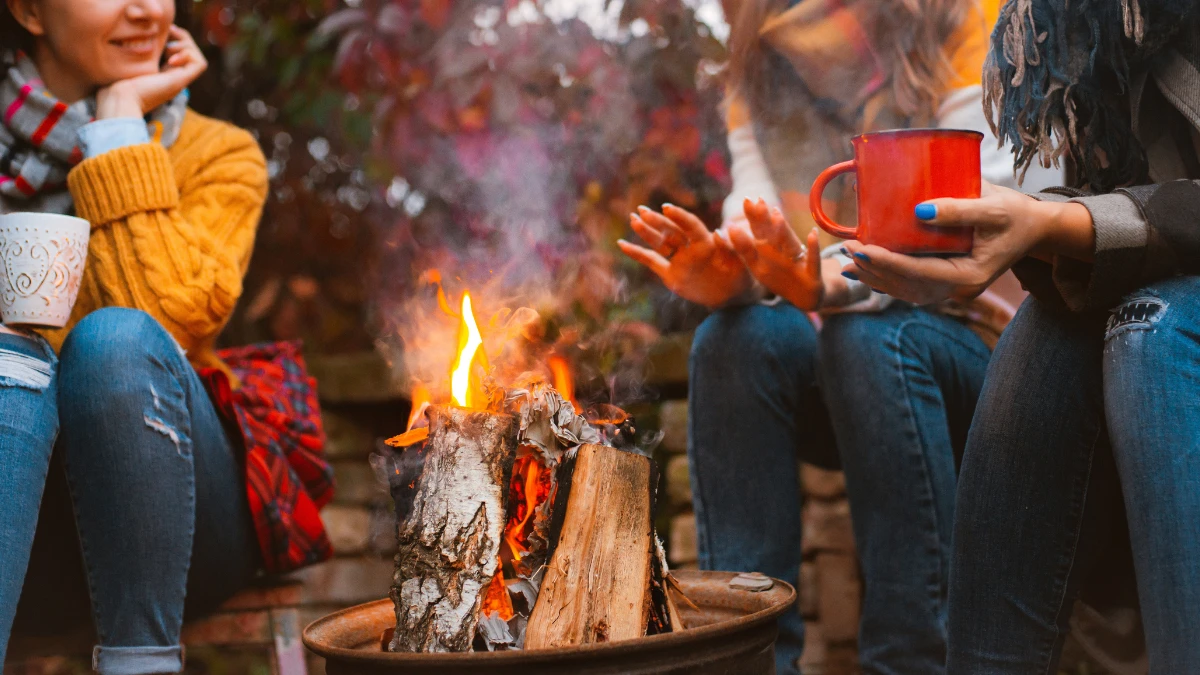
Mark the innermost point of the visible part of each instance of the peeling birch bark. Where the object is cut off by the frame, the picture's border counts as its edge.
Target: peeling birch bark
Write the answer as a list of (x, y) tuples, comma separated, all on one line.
[(450, 539)]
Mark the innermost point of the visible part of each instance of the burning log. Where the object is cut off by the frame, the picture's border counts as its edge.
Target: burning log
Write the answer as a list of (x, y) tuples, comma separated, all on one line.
[(450, 532), (597, 585)]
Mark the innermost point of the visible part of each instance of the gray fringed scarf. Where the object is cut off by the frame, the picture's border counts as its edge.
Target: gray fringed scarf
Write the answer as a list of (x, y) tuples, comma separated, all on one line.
[(1056, 75), (39, 137)]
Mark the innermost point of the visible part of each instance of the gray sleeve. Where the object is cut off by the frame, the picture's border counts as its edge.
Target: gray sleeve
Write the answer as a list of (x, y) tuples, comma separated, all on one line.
[(1122, 235)]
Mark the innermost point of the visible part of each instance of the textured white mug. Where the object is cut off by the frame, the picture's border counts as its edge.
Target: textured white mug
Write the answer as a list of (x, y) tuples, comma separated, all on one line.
[(41, 266)]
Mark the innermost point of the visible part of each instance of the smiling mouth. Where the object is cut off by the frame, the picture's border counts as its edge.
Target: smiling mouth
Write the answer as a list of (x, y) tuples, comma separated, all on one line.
[(136, 44)]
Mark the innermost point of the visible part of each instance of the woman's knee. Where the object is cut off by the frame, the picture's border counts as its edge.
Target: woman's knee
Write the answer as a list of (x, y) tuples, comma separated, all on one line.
[(110, 346), (752, 338)]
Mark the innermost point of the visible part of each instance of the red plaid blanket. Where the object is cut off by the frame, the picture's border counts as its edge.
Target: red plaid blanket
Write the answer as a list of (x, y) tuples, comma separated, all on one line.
[(287, 477)]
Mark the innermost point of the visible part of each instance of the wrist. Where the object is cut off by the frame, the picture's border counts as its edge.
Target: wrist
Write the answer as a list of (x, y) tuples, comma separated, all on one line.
[(1067, 230), (115, 101)]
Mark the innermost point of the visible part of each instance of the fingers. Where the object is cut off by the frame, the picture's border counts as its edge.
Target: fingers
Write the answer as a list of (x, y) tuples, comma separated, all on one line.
[(660, 223), (769, 224), (657, 264), (961, 213), (692, 227), (883, 263), (651, 236), (742, 241), (812, 255)]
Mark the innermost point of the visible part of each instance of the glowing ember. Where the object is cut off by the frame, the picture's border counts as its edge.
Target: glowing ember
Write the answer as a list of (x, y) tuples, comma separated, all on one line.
[(497, 600), (531, 486), (469, 341)]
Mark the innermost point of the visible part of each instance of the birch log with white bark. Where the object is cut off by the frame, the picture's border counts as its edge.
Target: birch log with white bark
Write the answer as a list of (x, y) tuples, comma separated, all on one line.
[(450, 541), (597, 585)]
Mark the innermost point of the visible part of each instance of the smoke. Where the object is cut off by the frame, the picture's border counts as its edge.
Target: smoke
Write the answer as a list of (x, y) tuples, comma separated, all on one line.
[(515, 209)]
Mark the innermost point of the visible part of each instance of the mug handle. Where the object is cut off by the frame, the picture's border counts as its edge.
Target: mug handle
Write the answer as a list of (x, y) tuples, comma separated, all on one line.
[(814, 200)]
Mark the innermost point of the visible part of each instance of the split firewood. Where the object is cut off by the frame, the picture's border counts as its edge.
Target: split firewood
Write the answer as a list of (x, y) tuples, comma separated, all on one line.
[(597, 584), (449, 539)]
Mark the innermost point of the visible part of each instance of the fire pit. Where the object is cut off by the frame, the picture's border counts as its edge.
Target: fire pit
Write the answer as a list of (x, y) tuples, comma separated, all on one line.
[(731, 631)]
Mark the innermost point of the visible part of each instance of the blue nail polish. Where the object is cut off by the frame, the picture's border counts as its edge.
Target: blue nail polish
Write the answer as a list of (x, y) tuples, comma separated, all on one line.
[(926, 211), (863, 257), (850, 275), (844, 251)]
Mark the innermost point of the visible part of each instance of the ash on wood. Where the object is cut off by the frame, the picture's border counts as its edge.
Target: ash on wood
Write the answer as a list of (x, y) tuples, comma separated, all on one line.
[(450, 539), (597, 585)]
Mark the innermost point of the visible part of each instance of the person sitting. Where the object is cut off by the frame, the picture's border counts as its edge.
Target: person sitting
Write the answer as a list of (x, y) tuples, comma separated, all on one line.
[(1089, 419), (189, 470), (897, 383)]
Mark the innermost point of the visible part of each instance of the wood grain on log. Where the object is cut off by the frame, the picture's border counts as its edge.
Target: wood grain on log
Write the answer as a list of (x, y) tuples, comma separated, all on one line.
[(450, 541), (596, 588)]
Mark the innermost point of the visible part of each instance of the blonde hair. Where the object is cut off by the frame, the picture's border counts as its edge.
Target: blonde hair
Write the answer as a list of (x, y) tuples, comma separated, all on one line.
[(911, 37)]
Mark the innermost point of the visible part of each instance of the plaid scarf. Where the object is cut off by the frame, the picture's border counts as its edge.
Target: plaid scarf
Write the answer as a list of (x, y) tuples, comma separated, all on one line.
[(1055, 73), (39, 138)]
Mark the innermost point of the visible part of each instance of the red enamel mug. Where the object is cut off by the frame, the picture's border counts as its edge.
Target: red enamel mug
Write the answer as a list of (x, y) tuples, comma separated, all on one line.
[(896, 170)]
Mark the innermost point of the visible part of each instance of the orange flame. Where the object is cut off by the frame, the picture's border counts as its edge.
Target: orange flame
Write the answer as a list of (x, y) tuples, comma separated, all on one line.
[(469, 342), (564, 380), (531, 486), (496, 599), (421, 398)]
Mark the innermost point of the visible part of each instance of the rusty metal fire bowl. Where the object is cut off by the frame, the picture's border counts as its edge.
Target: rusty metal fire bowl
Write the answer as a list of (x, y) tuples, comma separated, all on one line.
[(732, 633)]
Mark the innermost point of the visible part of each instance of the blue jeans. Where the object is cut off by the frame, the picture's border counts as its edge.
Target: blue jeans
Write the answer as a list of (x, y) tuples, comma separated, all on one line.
[(1085, 420), (157, 488), (899, 389)]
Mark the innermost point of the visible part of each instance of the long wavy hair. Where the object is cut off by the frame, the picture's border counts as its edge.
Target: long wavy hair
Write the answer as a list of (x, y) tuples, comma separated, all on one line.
[(911, 38)]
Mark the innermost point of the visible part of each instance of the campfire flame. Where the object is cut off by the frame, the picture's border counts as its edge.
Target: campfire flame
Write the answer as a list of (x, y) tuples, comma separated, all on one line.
[(421, 398), (469, 342), (564, 380), (530, 488), (496, 599)]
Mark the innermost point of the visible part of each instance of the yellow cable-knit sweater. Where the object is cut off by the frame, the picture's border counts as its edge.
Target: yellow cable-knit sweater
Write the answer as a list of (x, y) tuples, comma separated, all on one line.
[(172, 230)]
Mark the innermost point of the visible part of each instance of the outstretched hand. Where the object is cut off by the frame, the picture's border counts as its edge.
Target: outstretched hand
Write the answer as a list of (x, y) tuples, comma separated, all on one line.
[(774, 255), (139, 95), (692, 262)]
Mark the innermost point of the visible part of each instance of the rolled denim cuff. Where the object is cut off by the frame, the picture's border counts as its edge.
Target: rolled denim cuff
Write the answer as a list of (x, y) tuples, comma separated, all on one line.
[(137, 660)]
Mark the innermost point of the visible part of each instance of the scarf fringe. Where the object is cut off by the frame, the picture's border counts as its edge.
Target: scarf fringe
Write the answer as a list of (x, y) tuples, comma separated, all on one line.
[(1049, 76)]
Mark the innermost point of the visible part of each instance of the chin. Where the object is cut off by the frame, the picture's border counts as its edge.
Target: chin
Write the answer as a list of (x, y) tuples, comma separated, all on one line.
[(129, 72)]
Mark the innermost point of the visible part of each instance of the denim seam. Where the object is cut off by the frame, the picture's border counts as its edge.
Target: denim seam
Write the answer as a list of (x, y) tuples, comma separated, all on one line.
[(910, 415), (1079, 507)]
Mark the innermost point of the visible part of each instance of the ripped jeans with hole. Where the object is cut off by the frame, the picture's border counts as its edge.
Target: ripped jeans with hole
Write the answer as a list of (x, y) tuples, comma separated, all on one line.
[(155, 484), (1087, 425)]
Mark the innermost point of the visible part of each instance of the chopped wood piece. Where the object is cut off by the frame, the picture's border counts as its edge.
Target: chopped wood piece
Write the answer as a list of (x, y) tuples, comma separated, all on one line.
[(597, 585), (450, 540)]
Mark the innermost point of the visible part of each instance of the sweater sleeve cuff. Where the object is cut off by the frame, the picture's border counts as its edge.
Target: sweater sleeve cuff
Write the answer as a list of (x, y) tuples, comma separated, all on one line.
[(1122, 233), (124, 181)]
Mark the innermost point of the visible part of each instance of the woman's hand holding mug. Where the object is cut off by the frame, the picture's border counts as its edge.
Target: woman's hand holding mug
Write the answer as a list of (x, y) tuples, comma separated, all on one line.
[(694, 263), (1007, 225), (139, 95)]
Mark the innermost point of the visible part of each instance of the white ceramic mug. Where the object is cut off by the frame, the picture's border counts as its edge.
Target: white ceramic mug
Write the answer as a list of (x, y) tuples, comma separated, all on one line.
[(41, 267)]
